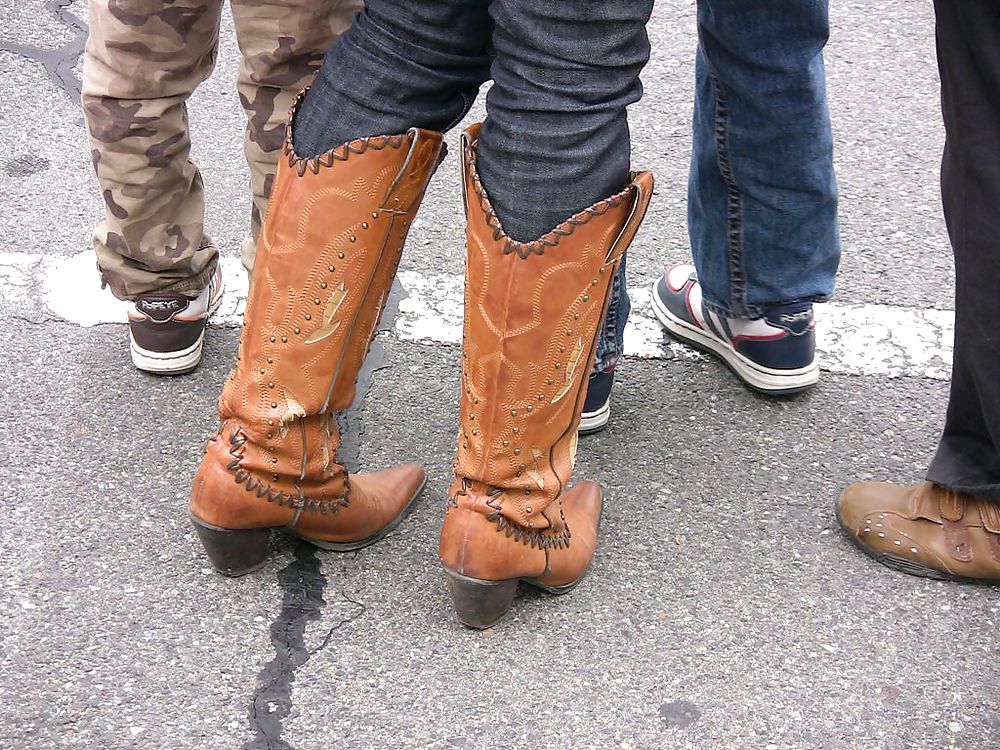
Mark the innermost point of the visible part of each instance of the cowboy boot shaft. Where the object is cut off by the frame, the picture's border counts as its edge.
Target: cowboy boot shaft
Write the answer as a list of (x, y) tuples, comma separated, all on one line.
[(328, 254), (532, 311)]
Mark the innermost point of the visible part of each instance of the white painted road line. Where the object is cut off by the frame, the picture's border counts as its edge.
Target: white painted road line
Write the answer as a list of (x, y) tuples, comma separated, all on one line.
[(852, 339)]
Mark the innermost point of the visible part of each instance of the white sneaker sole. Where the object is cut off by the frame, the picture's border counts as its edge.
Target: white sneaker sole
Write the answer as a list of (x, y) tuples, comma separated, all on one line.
[(595, 420), (166, 363), (758, 377)]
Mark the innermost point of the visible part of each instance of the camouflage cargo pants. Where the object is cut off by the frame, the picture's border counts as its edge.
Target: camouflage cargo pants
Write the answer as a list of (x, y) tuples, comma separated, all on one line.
[(143, 60)]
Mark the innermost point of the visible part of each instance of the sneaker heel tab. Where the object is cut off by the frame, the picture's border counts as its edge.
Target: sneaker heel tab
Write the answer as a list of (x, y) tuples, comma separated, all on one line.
[(162, 307), (796, 318)]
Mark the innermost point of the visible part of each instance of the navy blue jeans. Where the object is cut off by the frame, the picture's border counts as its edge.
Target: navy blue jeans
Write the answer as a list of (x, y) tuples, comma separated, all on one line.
[(762, 197), (555, 139)]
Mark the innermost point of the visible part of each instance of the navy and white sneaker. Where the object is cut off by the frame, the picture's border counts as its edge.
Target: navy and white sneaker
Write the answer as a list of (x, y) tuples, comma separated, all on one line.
[(597, 405), (166, 331), (774, 354)]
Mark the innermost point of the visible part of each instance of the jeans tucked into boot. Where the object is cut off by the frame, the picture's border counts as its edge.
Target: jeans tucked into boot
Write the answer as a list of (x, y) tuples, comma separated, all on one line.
[(556, 139), (531, 315), (551, 208)]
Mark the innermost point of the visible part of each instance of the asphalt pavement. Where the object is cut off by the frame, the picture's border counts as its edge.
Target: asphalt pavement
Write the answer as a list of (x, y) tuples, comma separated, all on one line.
[(725, 609)]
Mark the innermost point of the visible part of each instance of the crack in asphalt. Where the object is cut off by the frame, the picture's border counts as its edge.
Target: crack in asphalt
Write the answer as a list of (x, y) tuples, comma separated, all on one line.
[(329, 634), (302, 581), (35, 321), (59, 62)]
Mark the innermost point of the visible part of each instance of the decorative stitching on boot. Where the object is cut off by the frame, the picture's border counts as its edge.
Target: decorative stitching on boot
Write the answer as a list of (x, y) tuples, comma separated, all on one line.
[(464, 492), (340, 153), (530, 538), (267, 491), (548, 240)]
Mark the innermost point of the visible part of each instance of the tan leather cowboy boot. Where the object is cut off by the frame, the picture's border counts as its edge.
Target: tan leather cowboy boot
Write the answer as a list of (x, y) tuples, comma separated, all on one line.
[(924, 530), (327, 256), (531, 317)]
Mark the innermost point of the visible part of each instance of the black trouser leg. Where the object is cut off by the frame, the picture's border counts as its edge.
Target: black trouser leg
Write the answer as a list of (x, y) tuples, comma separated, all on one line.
[(968, 38)]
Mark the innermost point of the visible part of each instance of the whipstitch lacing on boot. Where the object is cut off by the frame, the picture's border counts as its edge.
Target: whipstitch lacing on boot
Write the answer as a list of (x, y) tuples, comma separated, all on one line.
[(265, 491), (340, 153), (530, 538), (550, 239)]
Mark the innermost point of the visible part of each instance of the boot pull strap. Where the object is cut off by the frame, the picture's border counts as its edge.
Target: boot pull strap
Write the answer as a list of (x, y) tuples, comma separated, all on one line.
[(421, 161), (467, 138), (643, 184)]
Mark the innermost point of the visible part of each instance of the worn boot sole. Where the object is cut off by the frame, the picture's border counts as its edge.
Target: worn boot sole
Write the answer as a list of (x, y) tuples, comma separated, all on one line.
[(481, 604), (233, 552), (236, 552)]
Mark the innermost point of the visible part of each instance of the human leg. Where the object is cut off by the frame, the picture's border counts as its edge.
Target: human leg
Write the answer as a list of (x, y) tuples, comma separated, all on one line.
[(401, 65), (328, 253), (762, 196), (762, 200), (440, 75), (552, 145), (142, 62), (533, 307), (950, 526), (322, 276), (282, 44), (968, 456)]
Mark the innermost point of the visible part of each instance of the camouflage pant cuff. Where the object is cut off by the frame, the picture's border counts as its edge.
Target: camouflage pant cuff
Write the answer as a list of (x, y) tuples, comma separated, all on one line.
[(130, 289)]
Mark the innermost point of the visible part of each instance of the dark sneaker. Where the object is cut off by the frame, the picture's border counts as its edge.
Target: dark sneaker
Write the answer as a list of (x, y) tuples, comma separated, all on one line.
[(166, 330), (774, 354), (597, 406)]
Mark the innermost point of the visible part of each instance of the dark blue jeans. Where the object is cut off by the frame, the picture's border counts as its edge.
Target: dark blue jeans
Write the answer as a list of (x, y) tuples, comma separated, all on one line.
[(555, 139), (762, 197)]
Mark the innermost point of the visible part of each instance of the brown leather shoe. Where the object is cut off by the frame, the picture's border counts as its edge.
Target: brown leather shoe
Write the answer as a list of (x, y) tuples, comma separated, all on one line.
[(326, 259), (532, 311), (924, 530)]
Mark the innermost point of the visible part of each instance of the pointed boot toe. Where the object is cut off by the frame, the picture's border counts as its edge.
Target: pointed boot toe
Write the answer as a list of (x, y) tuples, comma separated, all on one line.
[(376, 503)]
